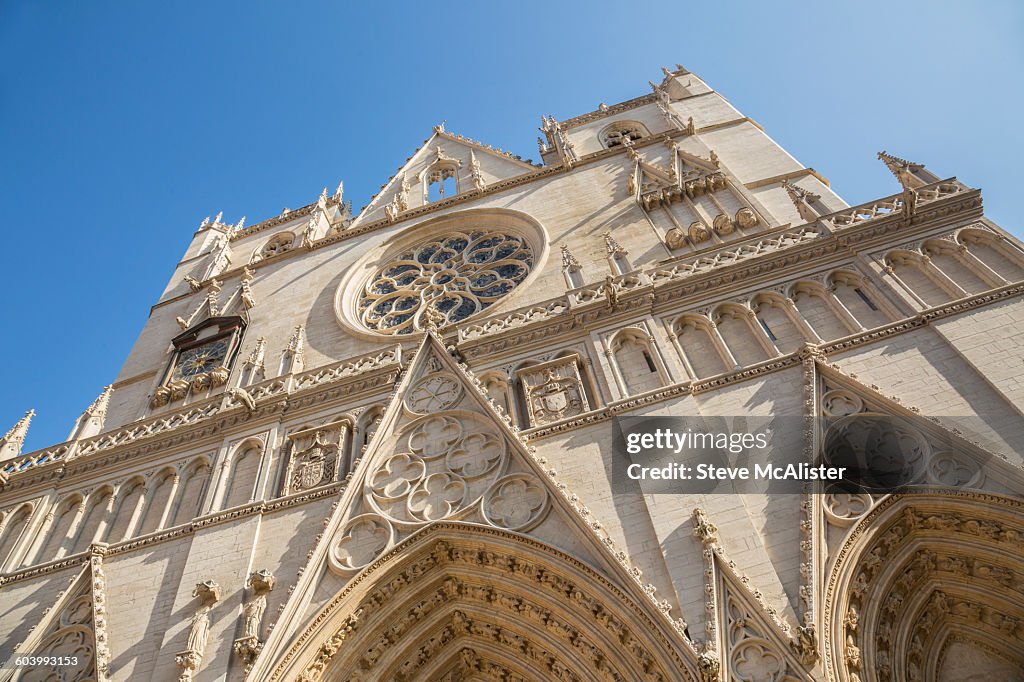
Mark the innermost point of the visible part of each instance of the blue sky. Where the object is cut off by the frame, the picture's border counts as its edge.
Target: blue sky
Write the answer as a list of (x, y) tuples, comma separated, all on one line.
[(123, 124)]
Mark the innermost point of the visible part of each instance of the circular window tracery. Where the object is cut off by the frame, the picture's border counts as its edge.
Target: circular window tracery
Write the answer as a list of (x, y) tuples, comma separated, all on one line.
[(458, 275)]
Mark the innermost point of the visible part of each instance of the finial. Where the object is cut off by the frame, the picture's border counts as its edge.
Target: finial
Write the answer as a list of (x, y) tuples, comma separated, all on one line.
[(611, 245), (910, 175), (802, 199), (99, 406), (340, 192), (323, 193), (297, 342), (255, 358), (240, 224), (206, 221), (10, 444), (216, 221), (439, 128), (668, 74), (569, 261)]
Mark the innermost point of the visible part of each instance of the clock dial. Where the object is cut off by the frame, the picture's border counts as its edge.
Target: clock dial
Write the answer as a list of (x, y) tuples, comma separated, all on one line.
[(202, 358)]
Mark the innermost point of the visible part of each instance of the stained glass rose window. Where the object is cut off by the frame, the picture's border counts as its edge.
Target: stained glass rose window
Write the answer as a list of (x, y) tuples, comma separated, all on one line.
[(458, 274)]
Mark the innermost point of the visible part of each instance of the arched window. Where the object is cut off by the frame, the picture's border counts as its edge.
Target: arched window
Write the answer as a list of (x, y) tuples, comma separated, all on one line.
[(813, 302), (160, 495), (14, 523), (622, 132), (851, 292), (97, 515), (774, 315), (129, 509), (497, 389), (366, 428), (734, 326), (279, 243), (634, 357), (950, 261), (1001, 258), (694, 335), (190, 497), (59, 535), (245, 467), (912, 270)]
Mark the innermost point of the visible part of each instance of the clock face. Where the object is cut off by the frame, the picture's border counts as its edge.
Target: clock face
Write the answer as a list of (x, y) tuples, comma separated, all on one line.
[(202, 358)]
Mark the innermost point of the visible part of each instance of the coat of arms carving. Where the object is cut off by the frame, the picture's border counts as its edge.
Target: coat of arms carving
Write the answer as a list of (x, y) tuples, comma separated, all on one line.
[(315, 456), (554, 391)]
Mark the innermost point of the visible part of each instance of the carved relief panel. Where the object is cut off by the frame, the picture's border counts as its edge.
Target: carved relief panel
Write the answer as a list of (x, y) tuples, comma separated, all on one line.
[(315, 456), (553, 390)]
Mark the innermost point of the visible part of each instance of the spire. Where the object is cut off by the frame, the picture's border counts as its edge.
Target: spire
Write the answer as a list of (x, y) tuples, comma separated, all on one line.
[(10, 444), (340, 192), (291, 358), (91, 421), (255, 358), (910, 175), (802, 199)]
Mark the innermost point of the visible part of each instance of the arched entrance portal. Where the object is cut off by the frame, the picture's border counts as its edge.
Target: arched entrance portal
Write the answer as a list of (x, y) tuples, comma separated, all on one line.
[(930, 586), (462, 602)]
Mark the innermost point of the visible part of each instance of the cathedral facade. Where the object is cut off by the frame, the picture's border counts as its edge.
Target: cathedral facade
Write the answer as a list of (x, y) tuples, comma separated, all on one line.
[(379, 446)]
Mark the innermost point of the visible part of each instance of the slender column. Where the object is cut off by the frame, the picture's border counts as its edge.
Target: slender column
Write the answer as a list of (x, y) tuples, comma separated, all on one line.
[(840, 309), (802, 324), (760, 334), (172, 502)]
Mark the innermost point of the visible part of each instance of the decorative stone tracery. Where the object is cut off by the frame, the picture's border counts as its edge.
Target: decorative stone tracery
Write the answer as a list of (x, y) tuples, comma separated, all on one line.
[(457, 275)]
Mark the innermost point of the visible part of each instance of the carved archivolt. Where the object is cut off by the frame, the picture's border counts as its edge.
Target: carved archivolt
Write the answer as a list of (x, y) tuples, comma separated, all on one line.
[(478, 601), (919, 570)]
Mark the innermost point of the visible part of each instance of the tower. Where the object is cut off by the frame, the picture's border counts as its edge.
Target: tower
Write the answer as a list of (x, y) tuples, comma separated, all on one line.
[(380, 445)]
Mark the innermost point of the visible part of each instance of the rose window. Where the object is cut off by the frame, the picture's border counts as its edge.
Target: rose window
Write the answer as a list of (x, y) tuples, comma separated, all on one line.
[(457, 275)]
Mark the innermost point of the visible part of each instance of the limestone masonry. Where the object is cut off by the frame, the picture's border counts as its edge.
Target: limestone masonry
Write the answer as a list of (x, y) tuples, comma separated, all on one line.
[(378, 446)]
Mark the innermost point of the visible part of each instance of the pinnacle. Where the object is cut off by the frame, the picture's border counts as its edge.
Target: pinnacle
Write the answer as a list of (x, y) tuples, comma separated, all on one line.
[(10, 444)]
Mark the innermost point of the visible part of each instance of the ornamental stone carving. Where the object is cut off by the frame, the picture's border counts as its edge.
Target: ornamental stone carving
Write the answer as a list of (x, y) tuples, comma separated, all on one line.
[(516, 502), (457, 275), (249, 645), (553, 391), (189, 660), (444, 464), (314, 456), (434, 393)]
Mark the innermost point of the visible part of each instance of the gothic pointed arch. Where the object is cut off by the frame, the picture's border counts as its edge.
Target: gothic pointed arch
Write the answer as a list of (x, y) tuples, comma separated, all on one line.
[(920, 575), (445, 461), (464, 598)]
